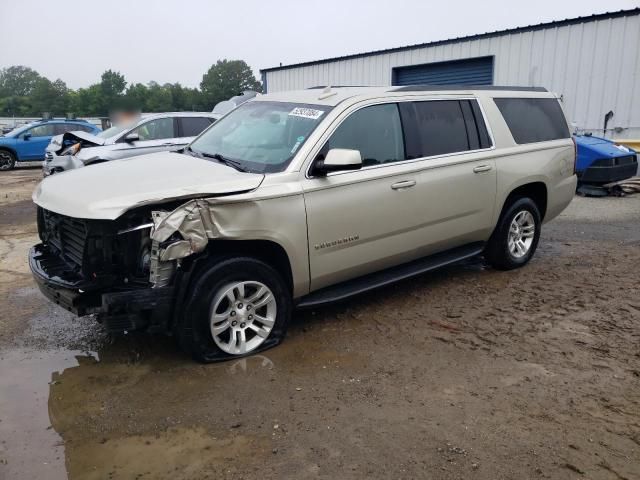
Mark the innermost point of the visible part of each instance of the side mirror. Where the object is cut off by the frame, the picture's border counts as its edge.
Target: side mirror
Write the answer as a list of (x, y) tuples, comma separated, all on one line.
[(337, 160), (132, 137), (26, 136)]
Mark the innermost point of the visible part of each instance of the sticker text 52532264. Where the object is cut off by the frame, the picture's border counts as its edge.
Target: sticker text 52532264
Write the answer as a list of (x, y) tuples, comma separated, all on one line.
[(311, 113)]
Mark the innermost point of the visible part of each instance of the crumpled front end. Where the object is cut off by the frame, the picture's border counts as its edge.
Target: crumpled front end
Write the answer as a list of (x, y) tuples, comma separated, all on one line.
[(124, 271)]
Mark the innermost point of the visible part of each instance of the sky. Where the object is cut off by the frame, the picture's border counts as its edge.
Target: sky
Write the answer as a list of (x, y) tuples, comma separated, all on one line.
[(177, 41)]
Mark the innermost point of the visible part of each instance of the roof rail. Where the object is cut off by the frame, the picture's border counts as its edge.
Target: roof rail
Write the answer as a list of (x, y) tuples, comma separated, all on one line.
[(427, 88), (318, 87)]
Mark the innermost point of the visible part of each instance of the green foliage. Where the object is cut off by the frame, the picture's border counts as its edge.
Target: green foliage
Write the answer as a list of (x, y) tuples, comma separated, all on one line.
[(226, 79), (24, 92)]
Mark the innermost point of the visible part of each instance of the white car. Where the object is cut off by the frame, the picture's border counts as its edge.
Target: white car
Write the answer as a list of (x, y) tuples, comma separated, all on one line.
[(151, 133)]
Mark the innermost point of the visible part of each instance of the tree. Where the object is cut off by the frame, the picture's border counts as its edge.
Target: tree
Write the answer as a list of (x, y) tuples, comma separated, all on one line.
[(24, 92), (47, 96), (112, 85), (159, 99), (136, 97), (226, 79), (18, 81)]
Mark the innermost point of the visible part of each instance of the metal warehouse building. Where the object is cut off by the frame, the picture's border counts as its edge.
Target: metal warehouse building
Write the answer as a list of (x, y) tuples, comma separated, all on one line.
[(592, 62)]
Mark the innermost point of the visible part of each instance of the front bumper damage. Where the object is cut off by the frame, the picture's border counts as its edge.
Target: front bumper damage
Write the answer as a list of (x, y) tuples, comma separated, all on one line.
[(122, 309), (174, 235)]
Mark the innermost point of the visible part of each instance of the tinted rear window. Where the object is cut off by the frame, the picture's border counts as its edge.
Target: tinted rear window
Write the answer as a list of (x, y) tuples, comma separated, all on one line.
[(192, 126), (439, 127), (533, 119)]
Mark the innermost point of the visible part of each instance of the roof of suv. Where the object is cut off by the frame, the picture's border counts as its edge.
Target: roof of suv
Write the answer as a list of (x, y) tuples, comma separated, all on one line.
[(331, 96)]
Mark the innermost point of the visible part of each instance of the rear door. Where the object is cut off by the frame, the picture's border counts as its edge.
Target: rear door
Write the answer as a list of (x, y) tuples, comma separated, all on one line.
[(456, 182)]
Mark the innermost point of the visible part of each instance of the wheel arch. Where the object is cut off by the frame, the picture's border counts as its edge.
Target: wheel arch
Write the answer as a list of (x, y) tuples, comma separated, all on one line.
[(267, 251), (536, 190), (11, 150)]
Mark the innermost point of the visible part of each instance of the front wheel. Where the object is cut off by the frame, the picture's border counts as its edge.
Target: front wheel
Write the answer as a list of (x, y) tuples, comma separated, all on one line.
[(7, 160), (515, 239), (238, 306)]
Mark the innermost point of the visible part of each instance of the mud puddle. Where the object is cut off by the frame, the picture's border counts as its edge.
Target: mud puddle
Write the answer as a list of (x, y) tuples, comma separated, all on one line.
[(29, 446)]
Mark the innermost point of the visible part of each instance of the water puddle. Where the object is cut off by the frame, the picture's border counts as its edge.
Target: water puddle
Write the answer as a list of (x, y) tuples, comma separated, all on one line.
[(29, 446)]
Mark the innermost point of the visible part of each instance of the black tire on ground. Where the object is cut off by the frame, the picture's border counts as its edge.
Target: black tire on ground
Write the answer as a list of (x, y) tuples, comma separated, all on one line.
[(193, 331), (7, 160), (497, 251)]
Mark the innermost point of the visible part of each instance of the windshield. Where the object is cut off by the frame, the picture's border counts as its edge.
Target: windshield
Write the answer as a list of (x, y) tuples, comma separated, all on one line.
[(112, 131), (261, 136)]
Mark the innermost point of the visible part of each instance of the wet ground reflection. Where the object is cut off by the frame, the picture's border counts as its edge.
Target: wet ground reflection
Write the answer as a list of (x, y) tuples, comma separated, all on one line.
[(30, 447)]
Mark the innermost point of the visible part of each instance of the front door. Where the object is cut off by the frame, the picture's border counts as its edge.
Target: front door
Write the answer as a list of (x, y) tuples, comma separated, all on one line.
[(156, 135), (364, 220), (34, 146)]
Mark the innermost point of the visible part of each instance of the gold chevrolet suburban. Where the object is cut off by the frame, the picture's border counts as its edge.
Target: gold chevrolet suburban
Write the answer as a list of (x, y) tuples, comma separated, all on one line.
[(298, 199)]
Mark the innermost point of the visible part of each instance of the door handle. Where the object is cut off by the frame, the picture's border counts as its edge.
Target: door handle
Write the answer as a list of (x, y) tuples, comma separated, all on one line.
[(482, 168), (403, 184)]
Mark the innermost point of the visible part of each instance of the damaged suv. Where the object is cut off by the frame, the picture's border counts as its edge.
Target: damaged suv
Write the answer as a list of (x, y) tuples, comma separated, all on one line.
[(299, 199)]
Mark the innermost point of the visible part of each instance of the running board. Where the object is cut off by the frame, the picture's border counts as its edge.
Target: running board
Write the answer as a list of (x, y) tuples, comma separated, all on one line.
[(359, 285)]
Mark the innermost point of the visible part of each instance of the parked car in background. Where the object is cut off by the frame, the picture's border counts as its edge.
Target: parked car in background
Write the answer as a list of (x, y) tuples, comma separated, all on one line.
[(300, 199), (601, 161), (149, 133), (226, 106), (29, 142)]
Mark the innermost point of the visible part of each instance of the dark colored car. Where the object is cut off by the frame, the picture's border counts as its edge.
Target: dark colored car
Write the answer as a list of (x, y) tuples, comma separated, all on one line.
[(29, 142), (601, 161)]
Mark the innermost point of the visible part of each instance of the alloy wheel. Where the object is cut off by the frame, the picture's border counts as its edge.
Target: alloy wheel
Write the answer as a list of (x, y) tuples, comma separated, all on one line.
[(242, 316), (521, 233)]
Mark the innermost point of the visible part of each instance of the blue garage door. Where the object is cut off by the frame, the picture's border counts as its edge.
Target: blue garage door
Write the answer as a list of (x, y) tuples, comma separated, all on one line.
[(472, 71)]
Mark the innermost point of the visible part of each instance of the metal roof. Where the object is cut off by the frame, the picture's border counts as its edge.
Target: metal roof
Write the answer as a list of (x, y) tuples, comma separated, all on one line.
[(509, 31)]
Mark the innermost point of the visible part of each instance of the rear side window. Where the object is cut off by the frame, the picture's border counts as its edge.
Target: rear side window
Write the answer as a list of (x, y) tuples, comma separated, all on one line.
[(533, 119), (192, 126), (376, 131), (83, 128), (71, 127), (439, 127)]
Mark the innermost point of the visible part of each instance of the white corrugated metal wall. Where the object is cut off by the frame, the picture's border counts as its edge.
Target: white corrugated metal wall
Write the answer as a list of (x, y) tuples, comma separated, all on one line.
[(594, 65)]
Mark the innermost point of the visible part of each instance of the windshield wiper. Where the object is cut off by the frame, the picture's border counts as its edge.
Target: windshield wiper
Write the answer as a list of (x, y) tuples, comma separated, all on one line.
[(225, 161), (188, 151)]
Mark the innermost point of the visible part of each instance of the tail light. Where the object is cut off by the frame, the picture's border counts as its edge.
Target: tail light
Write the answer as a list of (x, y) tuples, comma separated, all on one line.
[(575, 155)]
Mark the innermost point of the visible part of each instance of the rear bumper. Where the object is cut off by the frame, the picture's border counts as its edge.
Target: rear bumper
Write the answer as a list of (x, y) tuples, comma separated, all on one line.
[(609, 173), (122, 309)]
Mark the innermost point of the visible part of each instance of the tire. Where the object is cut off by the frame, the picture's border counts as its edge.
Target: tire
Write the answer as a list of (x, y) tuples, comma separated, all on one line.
[(515, 239), (257, 326), (7, 160)]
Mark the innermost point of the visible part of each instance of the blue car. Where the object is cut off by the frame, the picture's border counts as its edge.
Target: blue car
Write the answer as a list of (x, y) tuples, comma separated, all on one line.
[(601, 161), (29, 142)]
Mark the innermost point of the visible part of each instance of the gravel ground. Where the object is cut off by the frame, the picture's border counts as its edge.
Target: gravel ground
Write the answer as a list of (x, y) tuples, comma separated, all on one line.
[(464, 373)]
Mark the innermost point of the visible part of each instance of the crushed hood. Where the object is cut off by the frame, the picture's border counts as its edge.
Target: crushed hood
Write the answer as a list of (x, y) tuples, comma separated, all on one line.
[(107, 190), (67, 138)]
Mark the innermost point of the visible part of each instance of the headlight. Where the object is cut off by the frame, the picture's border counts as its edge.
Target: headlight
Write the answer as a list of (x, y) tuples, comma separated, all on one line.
[(72, 150)]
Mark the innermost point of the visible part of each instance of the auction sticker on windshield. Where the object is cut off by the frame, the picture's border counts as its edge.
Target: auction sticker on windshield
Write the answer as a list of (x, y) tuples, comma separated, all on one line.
[(306, 113)]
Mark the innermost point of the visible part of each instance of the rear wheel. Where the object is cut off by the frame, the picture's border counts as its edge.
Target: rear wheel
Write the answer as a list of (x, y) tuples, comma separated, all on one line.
[(7, 160), (515, 239), (238, 306)]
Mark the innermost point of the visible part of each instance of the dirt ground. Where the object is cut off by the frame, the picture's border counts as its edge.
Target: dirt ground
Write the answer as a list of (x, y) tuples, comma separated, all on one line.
[(468, 373)]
